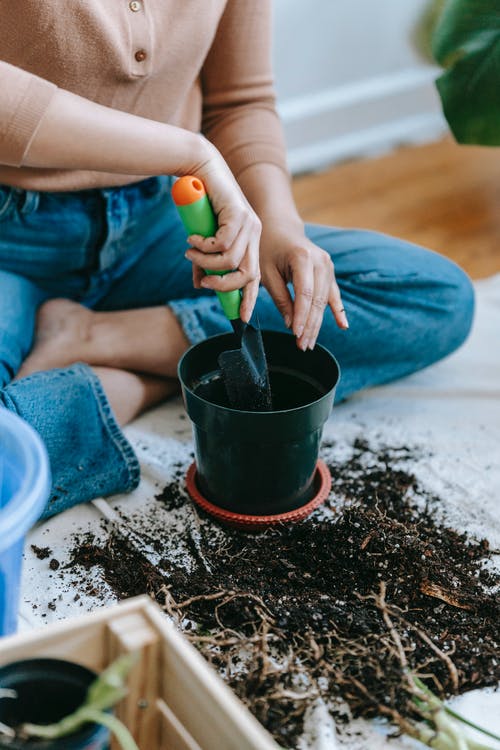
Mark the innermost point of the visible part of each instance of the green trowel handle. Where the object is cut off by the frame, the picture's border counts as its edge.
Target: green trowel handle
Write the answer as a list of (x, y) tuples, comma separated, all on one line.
[(198, 218)]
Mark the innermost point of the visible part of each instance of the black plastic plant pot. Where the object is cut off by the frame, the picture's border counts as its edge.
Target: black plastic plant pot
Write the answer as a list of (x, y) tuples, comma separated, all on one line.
[(47, 690), (259, 463)]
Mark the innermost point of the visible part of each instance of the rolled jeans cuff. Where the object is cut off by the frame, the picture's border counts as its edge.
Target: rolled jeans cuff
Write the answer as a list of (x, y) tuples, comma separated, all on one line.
[(88, 452), (200, 317)]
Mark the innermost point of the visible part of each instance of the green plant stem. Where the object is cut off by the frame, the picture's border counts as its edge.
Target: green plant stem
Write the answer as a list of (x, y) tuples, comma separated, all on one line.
[(446, 728), (62, 728), (442, 732), (434, 739), (473, 745), (114, 725), (443, 739), (469, 723)]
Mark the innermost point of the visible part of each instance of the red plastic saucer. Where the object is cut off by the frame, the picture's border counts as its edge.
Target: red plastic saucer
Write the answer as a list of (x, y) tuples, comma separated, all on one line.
[(246, 522)]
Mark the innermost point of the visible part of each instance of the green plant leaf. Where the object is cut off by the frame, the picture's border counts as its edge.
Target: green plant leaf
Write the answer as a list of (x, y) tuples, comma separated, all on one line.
[(466, 42), (110, 687), (421, 35)]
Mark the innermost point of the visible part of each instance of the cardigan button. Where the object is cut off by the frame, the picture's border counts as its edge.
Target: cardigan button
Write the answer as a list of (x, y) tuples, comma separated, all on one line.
[(135, 6), (140, 55)]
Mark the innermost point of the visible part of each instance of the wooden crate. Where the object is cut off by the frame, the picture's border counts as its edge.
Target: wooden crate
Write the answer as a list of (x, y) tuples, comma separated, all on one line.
[(175, 702)]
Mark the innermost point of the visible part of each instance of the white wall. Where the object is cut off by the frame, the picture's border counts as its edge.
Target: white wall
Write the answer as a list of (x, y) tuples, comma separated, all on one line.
[(349, 81)]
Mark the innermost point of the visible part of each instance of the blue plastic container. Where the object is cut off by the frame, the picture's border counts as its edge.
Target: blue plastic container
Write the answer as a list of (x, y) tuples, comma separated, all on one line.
[(24, 490)]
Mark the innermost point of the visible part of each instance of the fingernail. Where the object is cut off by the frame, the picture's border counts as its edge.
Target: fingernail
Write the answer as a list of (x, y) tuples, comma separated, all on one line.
[(204, 284), (311, 345), (299, 331), (303, 346), (187, 255), (288, 321)]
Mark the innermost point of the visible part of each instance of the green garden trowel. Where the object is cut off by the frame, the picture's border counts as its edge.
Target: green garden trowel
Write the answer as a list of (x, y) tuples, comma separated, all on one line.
[(244, 370)]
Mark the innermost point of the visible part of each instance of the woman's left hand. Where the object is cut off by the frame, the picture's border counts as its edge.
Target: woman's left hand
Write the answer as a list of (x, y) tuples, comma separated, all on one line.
[(287, 255)]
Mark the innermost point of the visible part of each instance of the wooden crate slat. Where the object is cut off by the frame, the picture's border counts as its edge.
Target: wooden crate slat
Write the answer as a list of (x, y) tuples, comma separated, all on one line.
[(174, 736), (134, 634), (216, 719)]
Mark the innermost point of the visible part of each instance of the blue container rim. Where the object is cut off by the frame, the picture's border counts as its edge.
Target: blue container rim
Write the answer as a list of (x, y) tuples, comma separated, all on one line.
[(25, 506)]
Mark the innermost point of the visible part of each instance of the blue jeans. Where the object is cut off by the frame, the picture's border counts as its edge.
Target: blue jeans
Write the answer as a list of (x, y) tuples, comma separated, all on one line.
[(123, 248)]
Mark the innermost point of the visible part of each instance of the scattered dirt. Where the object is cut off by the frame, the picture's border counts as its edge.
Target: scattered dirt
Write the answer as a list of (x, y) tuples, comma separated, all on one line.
[(339, 606), (54, 564), (41, 552)]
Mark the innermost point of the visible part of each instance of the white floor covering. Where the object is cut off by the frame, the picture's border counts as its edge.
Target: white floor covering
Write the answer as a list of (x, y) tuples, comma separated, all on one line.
[(451, 409)]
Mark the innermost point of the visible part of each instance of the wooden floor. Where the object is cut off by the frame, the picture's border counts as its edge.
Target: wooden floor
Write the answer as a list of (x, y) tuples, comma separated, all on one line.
[(442, 196)]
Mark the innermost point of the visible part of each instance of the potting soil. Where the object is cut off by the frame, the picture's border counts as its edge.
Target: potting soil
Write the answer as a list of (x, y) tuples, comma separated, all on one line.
[(289, 390), (338, 607)]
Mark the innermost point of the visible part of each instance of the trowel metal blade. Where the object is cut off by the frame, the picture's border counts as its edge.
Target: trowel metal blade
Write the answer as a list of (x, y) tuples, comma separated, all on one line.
[(245, 373)]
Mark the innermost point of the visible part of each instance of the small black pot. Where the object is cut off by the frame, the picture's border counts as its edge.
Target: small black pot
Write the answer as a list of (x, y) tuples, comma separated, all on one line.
[(259, 463), (48, 690)]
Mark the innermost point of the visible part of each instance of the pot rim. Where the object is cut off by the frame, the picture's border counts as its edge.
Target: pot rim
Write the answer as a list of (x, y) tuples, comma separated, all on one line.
[(253, 414), (60, 667)]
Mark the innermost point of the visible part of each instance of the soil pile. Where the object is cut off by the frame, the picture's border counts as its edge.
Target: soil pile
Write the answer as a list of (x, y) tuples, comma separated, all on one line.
[(339, 606)]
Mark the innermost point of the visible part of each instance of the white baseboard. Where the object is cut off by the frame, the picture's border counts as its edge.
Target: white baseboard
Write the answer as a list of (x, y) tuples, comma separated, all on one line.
[(361, 119), (369, 142)]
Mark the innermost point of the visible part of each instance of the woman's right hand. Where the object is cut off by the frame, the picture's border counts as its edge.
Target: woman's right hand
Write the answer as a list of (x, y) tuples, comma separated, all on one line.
[(235, 246)]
